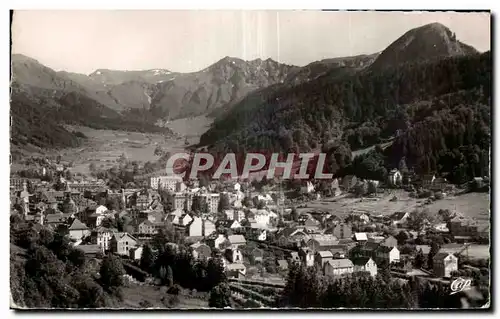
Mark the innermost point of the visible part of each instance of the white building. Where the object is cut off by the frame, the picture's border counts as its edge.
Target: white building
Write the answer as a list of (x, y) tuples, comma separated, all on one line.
[(101, 210), (307, 188), (263, 217), (395, 177), (102, 237), (78, 230), (183, 201), (164, 182), (212, 201), (136, 253), (237, 187)]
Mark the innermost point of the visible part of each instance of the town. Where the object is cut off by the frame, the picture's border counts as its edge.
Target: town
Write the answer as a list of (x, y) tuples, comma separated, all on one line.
[(258, 229), (250, 159)]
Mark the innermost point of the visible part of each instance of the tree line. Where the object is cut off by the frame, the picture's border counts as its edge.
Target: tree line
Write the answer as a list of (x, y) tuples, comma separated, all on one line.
[(308, 288)]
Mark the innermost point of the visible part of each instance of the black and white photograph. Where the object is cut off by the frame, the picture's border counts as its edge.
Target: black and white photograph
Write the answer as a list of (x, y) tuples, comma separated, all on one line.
[(250, 159)]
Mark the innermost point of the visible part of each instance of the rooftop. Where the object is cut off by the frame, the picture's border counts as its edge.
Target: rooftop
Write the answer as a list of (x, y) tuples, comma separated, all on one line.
[(340, 263), (78, 225)]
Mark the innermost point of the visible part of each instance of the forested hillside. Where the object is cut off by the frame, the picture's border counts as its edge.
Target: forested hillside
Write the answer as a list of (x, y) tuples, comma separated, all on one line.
[(366, 108), (31, 125), (37, 119)]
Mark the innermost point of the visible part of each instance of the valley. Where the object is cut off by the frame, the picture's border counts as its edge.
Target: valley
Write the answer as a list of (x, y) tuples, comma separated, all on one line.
[(380, 197), (105, 147)]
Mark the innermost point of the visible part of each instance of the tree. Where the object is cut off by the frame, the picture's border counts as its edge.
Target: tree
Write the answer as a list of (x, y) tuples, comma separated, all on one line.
[(360, 189), (434, 250), (247, 202), (402, 165), (114, 203), (294, 215), (372, 188), (402, 237), (384, 272), (261, 204), (170, 276), (91, 295), (224, 202), (245, 223), (167, 200), (419, 259), (76, 257), (122, 160), (162, 274), (419, 218), (158, 151), (46, 236), (204, 180), (197, 204), (281, 222), (215, 272), (220, 296), (111, 272), (147, 258)]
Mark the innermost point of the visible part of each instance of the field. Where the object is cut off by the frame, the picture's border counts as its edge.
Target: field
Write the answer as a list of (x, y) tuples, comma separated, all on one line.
[(475, 205), (136, 295), (191, 128), (473, 252), (104, 147)]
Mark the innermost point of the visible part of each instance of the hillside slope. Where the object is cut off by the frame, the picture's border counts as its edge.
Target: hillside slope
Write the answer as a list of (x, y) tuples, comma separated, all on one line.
[(372, 106), (322, 109)]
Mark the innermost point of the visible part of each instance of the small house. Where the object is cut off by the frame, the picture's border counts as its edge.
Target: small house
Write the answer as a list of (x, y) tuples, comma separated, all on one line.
[(398, 219), (322, 257), (78, 230), (307, 257), (90, 251), (235, 270), (201, 251), (236, 240), (387, 254), (360, 237), (282, 264), (136, 253), (121, 243), (341, 230), (337, 267), (389, 242), (395, 178), (365, 264), (444, 264)]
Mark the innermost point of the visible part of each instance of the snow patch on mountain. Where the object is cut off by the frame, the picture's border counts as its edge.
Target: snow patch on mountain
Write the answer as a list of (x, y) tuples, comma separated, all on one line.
[(163, 72)]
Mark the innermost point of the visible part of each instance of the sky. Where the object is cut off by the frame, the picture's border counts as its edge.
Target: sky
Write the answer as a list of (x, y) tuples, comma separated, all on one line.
[(188, 41)]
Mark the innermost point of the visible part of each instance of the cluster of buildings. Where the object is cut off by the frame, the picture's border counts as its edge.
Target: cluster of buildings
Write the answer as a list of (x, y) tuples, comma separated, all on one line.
[(88, 213), (81, 211)]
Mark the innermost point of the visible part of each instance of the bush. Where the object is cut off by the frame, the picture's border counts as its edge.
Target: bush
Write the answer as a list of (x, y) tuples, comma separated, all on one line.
[(249, 303), (424, 194), (170, 300), (79, 134), (174, 290)]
